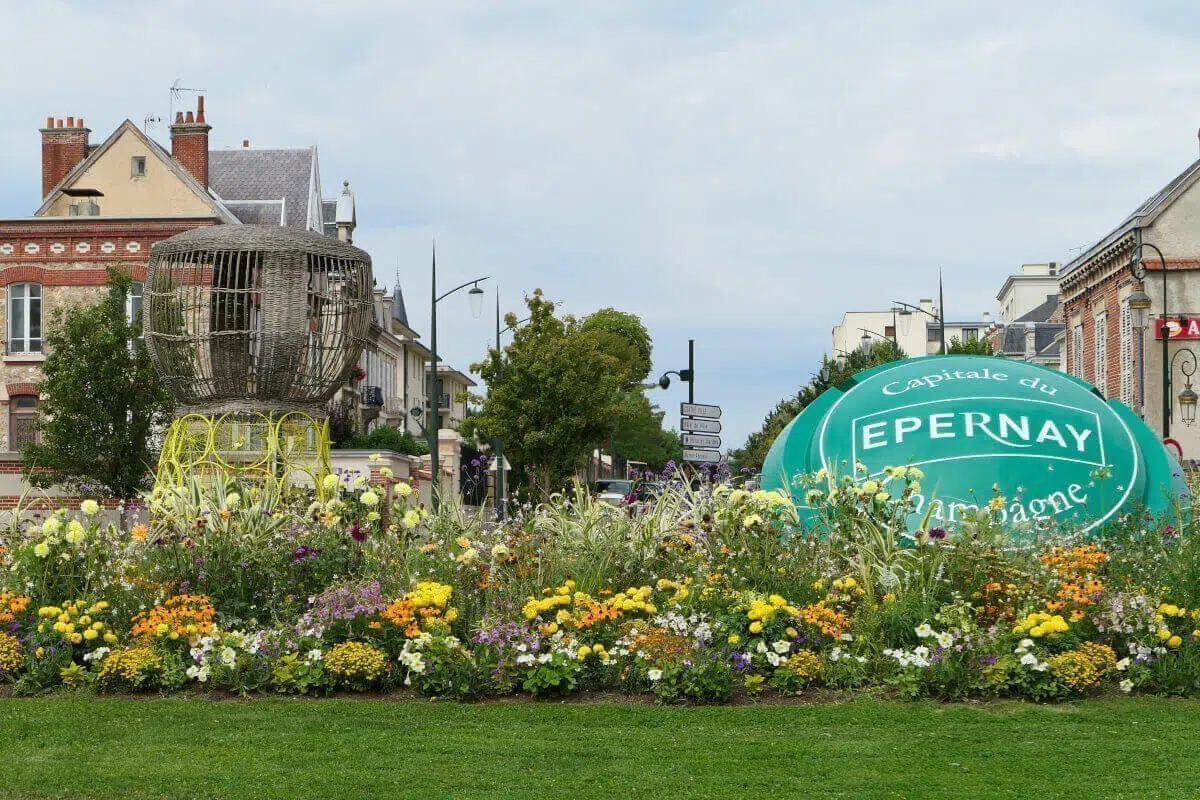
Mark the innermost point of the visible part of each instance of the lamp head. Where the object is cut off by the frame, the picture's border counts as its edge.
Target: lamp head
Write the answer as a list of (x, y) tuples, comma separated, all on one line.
[(1139, 307), (475, 295), (664, 382), (1187, 404)]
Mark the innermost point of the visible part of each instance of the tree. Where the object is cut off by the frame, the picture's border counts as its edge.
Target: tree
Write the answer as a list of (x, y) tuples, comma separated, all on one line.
[(625, 337), (103, 401), (971, 347), (833, 373), (640, 435), (554, 393)]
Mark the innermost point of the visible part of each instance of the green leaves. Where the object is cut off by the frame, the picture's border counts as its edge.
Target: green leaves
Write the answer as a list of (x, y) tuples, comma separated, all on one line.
[(102, 401)]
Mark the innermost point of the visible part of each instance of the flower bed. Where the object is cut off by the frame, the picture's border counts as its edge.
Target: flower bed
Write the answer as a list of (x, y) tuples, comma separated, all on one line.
[(699, 597)]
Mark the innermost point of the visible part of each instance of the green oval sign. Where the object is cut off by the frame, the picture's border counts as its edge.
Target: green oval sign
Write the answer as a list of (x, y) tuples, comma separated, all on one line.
[(1048, 443)]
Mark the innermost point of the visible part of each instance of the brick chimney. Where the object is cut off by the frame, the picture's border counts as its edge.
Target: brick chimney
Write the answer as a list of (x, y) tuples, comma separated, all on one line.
[(63, 147), (189, 142)]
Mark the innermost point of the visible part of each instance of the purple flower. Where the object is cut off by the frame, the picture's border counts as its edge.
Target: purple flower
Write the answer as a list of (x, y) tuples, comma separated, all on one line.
[(937, 534), (740, 662), (987, 660), (357, 533)]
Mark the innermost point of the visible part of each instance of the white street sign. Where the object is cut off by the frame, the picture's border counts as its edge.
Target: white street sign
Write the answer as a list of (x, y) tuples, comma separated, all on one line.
[(701, 440), (702, 456), (700, 425), (699, 410)]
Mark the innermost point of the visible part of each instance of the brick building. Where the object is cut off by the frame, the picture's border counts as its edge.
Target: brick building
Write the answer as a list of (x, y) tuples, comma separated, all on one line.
[(102, 207), (1101, 343)]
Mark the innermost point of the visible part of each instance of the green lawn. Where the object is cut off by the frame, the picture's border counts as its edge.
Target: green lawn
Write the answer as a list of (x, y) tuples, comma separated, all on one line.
[(85, 747)]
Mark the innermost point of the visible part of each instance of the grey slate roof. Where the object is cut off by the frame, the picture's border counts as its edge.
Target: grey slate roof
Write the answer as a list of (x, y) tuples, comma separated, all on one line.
[(247, 174), (1043, 312), (1046, 340), (1141, 217), (267, 213), (399, 312)]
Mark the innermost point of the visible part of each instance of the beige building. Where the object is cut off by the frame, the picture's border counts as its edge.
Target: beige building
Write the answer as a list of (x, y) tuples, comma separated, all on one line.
[(1027, 290), (452, 404), (916, 332)]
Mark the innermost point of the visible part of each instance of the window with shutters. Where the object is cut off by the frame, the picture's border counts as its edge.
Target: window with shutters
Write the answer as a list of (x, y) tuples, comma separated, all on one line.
[(1126, 356), (22, 414), (1100, 353), (1077, 351)]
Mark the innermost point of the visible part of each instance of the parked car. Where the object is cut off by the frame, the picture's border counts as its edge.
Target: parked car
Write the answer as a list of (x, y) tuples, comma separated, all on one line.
[(613, 492)]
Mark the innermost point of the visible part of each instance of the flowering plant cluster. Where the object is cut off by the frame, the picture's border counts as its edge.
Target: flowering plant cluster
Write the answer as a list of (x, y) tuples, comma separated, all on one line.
[(700, 595)]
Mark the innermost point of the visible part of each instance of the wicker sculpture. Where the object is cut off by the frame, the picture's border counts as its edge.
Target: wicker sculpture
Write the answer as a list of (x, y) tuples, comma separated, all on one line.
[(253, 329)]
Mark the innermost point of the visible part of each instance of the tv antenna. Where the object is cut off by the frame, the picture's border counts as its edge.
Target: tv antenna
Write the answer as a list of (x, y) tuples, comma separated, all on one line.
[(149, 121), (177, 93)]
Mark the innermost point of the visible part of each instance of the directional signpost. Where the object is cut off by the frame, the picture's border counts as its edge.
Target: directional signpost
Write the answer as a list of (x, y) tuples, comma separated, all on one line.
[(700, 443), (700, 425), (701, 440)]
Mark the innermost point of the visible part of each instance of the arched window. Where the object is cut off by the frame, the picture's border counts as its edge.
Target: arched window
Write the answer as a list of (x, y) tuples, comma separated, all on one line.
[(25, 318), (22, 414)]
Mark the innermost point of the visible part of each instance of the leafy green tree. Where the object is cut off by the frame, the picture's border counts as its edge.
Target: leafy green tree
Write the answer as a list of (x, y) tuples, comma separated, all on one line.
[(833, 373), (102, 401), (554, 393), (625, 337), (971, 347), (640, 435)]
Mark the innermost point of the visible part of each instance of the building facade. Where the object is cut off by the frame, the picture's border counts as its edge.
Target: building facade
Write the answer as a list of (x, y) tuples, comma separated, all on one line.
[(1102, 345), (915, 332), (103, 206)]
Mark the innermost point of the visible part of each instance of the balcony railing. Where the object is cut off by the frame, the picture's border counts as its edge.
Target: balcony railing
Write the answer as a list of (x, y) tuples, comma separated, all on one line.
[(443, 401), (372, 396)]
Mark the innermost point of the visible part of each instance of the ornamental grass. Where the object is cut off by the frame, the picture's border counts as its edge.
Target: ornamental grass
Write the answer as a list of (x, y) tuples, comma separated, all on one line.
[(703, 595)]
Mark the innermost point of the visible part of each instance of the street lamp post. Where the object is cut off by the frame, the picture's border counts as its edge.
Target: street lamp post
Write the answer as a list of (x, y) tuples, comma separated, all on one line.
[(939, 317), (688, 375), (433, 421), (501, 499), (1139, 306)]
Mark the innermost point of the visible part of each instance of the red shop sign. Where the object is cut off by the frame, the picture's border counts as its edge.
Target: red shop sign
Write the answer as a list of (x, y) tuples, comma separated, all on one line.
[(1178, 328)]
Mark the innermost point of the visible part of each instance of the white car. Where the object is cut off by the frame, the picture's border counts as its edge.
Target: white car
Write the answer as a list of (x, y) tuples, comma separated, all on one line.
[(613, 492)]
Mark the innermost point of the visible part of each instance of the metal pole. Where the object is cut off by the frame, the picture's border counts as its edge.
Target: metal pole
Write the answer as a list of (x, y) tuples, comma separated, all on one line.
[(691, 370), (942, 311), (433, 421), (1166, 368), (500, 500)]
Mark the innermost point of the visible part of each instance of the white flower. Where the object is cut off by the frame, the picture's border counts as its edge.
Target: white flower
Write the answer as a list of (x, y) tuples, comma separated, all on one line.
[(773, 659), (945, 639), (198, 673), (1026, 643), (232, 499), (921, 652), (924, 630), (835, 654), (654, 674), (90, 507), (314, 655), (1126, 685), (368, 498), (1028, 659), (403, 489), (544, 658), (228, 656), (847, 637), (1041, 667), (1123, 664), (761, 646), (782, 647)]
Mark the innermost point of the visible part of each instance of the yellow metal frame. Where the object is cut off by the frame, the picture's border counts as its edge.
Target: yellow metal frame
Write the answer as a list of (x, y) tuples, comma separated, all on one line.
[(285, 450)]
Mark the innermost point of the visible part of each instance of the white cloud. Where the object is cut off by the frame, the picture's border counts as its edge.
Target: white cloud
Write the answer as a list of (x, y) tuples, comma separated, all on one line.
[(739, 173)]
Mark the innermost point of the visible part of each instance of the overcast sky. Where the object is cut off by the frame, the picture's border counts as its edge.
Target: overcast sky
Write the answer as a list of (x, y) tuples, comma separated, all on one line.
[(739, 173)]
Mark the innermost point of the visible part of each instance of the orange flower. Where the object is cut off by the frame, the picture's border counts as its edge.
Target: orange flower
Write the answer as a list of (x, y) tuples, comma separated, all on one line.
[(181, 615)]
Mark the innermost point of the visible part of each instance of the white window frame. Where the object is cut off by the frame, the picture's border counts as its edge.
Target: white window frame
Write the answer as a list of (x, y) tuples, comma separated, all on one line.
[(1126, 355), (134, 163), (21, 342), (1100, 351), (1077, 349)]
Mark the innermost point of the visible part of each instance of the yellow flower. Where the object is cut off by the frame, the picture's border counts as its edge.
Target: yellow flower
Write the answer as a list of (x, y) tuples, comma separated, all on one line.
[(41, 549), (412, 519), (734, 638), (463, 542), (404, 489), (368, 498), (584, 652), (90, 634), (756, 627), (1174, 642), (90, 507), (329, 482)]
